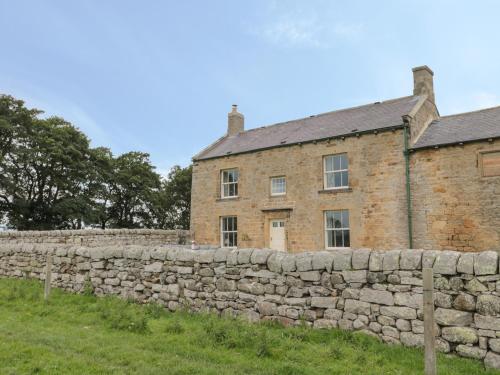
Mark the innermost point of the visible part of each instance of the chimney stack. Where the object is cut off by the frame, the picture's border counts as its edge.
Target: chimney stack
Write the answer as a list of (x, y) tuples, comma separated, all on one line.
[(423, 83), (235, 121)]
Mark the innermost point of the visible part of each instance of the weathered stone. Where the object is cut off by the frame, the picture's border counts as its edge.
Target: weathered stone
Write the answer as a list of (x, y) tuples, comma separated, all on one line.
[(399, 312), (221, 254), (488, 304), (154, 267), (411, 259), (443, 300), (492, 360), (260, 256), (376, 296), (354, 276), (487, 322), (376, 260), (412, 339), (375, 327), (342, 259), (319, 291), (225, 285), (486, 263), (345, 324), (360, 259), (494, 345), (391, 260), (466, 263), (390, 331), (322, 260), (470, 351), (332, 314), (375, 277), (408, 299), (324, 302), (350, 293), (303, 261), (296, 292), (393, 279), (475, 286), (252, 288), (462, 335), (325, 324), (186, 255), (403, 325), (450, 317), (267, 308), (274, 261), (357, 307), (446, 263), (310, 276), (244, 255), (288, 263), (428, 258)]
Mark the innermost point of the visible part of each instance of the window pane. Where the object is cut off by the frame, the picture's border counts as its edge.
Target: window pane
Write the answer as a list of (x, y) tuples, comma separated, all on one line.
[(343, 161), (345, 178), (330, 180), (345, 219), (338, 179), (336, 162), (329, 219), (338, 238), (347, 240), (235, 223), (329, 163), (329, 238)]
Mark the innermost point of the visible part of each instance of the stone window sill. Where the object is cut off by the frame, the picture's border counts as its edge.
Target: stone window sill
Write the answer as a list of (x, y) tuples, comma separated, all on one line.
[(230, 199), (335, 191)]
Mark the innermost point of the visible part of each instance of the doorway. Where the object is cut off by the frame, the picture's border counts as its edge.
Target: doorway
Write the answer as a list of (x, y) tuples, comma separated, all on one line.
[(277, 235)]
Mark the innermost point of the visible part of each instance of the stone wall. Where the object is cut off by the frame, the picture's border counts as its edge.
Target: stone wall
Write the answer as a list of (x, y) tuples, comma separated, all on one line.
[(454, 206), (376, 197), (97, 237), (379, 293)]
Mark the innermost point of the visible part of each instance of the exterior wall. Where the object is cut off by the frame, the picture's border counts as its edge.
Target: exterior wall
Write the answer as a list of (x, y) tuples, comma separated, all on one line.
[(377, 293), (376, 199), (454, 206), (97, 237)]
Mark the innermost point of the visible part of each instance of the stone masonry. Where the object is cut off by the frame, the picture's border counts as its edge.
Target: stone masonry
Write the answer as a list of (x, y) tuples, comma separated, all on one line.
[(378, 293)]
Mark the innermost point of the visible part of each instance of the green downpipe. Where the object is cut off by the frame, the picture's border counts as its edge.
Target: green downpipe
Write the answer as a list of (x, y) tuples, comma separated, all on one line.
[(408, 191)]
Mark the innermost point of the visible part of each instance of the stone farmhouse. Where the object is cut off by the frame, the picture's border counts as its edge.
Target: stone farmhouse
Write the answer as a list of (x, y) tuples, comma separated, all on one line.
[(386, 175)]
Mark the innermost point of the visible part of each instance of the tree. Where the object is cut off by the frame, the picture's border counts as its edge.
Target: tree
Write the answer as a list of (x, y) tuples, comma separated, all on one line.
[(132, 185), (171, 206)]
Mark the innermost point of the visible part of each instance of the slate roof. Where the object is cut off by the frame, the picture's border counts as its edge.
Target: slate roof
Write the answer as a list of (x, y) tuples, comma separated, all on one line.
[(463, 127), (379, 115)]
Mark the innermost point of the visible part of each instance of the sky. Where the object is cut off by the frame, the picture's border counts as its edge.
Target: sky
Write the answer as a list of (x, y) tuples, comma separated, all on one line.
[(161, 76)]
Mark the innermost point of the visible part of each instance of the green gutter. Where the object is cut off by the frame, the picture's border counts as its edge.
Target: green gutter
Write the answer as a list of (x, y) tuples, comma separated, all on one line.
[(408, 191)]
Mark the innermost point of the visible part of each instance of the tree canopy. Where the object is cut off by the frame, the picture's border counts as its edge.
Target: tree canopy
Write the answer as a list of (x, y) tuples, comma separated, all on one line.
[(50, 178)]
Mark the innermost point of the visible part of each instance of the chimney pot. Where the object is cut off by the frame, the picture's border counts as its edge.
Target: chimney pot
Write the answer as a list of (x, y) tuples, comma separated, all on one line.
[(235, 121), (423, 82)]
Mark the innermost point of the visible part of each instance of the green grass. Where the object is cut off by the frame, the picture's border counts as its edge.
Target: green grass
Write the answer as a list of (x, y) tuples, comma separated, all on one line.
[(82, 334)]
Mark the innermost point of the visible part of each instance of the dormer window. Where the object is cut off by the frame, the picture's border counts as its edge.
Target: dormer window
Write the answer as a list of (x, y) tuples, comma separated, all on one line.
[(336, 175), (229, 183)]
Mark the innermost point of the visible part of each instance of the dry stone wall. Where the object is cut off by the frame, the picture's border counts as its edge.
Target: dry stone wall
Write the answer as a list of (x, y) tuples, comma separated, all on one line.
[(97, 237), (379, 293)]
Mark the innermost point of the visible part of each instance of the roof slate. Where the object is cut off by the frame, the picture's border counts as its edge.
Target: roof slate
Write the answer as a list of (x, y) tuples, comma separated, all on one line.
[(464, 127), (369, 117)]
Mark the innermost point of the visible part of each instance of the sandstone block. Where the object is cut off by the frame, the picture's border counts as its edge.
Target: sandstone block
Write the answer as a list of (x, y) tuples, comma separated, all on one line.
[(470, 351), (462, 335), (354, 276), (411, 259), (322, 260), (381, 297), (376, 260), (391, 260), (466, 263), (357, 307), (310, 276), (450, 317), (446, 263), (486, 263), (324, 302), (342, 259), (398, 312), (360, 259)]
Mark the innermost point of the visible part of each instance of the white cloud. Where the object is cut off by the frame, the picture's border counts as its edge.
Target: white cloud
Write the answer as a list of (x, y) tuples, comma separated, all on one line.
[(301, 28)]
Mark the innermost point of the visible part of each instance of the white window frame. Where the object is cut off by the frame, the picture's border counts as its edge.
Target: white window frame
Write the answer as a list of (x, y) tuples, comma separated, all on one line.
[(326, 173), (342, 229), (229, 232), (284, 184), (224, 184)]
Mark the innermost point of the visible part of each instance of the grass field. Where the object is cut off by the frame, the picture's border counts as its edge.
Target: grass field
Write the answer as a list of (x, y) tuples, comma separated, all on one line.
[(82, 334)]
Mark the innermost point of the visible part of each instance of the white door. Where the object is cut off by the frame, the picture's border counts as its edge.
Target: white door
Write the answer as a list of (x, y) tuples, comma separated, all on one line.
[(277, 234)]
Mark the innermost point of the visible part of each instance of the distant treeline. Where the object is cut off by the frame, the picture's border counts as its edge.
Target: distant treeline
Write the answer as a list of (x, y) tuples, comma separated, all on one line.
[(50, 178)]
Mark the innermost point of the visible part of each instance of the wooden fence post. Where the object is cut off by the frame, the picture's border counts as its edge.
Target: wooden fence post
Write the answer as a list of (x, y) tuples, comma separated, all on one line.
[(429, 335), (48, 276)]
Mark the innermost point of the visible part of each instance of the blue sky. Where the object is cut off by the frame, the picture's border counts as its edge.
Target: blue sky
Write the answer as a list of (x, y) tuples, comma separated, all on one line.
[(160, 76)]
